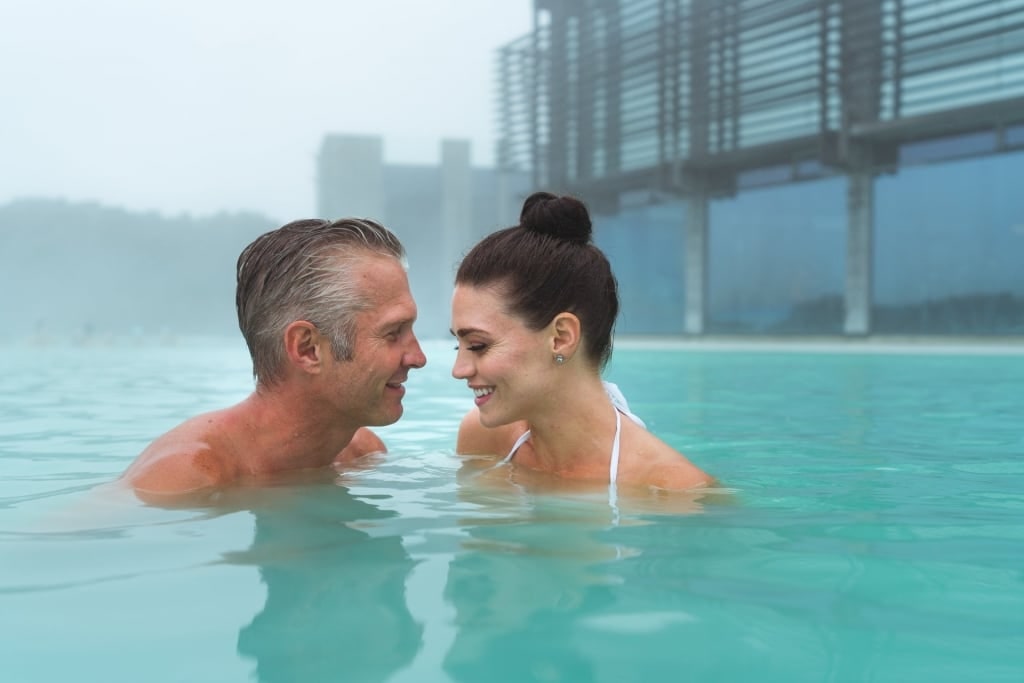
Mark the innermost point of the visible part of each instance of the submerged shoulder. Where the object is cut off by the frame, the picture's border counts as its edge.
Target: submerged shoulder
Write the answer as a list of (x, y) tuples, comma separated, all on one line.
[(188, 458), (183, 468), (683, 475), (666, 468), (364, 442), (476, 439)]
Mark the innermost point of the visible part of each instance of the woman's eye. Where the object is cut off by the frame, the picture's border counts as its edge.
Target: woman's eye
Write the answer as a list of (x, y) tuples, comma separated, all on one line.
[(476, 348)]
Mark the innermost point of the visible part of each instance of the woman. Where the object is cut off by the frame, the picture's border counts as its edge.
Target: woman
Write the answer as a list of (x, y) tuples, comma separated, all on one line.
[(533, 311)]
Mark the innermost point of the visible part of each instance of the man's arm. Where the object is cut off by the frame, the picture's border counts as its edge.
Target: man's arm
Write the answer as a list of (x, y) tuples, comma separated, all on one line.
[(364, 442)]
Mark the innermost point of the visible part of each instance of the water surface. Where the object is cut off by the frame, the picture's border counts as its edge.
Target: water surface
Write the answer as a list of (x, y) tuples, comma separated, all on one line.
[(874, 532)]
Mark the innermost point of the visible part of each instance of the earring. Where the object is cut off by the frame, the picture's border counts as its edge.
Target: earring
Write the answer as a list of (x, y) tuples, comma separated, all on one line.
[(559, 358)]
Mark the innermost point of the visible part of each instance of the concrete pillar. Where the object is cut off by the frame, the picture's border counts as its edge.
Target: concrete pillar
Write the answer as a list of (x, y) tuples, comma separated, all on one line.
[(860, 210), (506, 208), (696, 262), (456, 207), (350, 177)]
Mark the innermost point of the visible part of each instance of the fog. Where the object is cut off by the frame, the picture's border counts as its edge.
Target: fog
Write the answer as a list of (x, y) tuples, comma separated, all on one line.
[(145, 143), (202, 106)]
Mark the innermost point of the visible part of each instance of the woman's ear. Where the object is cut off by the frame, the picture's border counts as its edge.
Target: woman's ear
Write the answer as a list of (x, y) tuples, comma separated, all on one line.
[(565, 339), (304, 345)]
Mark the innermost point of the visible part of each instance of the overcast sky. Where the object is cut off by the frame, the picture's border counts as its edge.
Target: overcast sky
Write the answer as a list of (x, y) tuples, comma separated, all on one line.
[(206, 105)]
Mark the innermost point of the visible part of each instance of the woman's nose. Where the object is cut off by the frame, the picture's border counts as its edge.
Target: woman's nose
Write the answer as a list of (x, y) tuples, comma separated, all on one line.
[(462, 368)]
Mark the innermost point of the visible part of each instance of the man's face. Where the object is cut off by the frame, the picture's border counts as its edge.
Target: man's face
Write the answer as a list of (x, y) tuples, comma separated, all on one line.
[(370, 386)]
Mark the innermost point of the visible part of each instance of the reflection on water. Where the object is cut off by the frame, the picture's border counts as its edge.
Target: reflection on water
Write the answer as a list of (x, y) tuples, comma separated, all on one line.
[(538, 561), (519, 588), (336, 604)]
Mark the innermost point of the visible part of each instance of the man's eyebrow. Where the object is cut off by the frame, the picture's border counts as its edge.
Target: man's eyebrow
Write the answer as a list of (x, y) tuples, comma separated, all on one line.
[(397, 324)]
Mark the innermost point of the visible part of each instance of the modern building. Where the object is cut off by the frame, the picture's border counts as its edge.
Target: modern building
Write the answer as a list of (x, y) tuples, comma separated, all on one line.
[(837, 166)]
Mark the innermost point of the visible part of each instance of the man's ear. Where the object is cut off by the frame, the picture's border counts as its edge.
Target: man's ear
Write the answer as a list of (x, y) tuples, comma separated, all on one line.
[(305, 346), (566, 330)]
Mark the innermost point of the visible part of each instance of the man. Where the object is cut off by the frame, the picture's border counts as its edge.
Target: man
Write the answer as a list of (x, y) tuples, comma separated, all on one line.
[(327, 314)]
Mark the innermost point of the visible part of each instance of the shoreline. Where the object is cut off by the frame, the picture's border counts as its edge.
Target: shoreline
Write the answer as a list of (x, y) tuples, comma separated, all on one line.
[(876, 344)]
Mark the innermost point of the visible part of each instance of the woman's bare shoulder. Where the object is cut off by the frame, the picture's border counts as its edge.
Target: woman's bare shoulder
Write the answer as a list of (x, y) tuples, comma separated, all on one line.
[(476, 439), (665, 467)]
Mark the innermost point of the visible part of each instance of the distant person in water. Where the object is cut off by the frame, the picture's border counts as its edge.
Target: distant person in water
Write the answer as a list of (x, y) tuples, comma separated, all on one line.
[(533, 311), (327, 314)]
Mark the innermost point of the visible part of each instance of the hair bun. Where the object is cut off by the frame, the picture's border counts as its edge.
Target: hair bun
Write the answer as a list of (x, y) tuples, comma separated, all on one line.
[(562, 217)]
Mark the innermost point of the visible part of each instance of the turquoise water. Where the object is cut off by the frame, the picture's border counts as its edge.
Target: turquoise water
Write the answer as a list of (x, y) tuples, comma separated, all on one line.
[(875, 532)]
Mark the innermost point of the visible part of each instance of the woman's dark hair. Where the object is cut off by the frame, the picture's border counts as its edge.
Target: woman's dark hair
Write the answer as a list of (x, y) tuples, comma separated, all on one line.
[(548, 264)]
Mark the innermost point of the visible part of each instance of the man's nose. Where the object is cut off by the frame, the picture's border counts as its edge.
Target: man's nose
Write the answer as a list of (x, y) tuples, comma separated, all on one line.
[(414, 357)]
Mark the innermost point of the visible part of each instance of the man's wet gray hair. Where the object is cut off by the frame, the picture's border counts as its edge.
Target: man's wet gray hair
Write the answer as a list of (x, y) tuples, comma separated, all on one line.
[(303, 271)]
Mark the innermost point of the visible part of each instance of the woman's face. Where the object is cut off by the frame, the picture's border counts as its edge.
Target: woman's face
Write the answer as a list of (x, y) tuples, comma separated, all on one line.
[(507, 365)]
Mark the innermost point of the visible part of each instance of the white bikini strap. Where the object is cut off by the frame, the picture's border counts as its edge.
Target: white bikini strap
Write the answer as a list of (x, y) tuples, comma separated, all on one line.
[(515, 447), (613, 469), (619, 401), (613, 473)]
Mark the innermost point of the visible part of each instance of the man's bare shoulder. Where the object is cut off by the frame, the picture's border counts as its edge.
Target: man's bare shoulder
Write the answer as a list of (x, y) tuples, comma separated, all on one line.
[(192, 456), (476, 439)]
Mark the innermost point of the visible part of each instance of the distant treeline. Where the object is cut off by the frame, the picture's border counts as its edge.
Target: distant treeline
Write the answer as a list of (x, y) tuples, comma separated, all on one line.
[(68, 269)]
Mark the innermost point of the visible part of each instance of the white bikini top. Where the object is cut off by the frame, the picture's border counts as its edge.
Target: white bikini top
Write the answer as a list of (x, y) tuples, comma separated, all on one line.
[(621, 407), (619, 401)]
